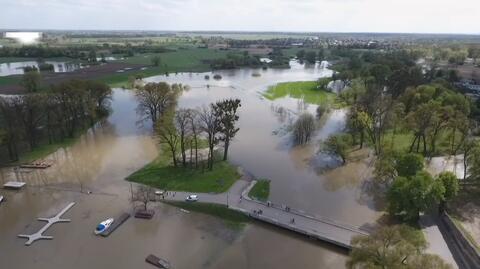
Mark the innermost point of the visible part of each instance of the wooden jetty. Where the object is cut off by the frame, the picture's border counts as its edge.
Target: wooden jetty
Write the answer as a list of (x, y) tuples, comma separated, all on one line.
[(116, 223), (37, 165), (158, 262)]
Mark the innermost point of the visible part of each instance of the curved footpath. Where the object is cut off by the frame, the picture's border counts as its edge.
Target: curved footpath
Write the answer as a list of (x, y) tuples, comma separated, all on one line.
[(236, 198)]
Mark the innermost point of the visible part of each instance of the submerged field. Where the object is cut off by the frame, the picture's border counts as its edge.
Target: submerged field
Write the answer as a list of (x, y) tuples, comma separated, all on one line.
[(306, 90)]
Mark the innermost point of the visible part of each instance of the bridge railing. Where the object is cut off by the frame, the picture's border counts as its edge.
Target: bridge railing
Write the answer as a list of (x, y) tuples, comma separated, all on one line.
[(301, 213)]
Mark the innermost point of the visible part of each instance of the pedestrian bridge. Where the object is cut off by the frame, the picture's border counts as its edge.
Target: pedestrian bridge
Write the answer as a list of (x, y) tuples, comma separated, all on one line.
[(316, 227)]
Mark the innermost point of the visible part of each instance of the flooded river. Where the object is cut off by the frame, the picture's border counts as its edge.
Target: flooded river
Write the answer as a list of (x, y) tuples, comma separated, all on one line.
[(101, 160)]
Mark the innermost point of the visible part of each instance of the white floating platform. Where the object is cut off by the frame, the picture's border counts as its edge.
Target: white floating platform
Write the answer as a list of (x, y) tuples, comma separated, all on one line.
[(14, 185)]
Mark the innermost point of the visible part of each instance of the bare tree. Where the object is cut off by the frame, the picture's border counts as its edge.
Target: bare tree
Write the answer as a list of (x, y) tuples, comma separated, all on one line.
[(156, 98), (210, 126), (143, 194), (194, 121), (303, 128)]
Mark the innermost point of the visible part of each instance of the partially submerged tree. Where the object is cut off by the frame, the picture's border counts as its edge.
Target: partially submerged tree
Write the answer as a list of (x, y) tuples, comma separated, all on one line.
[(303, 128), (397, 246), (338, 145), (143, 194), (156, 98), (226, 113)]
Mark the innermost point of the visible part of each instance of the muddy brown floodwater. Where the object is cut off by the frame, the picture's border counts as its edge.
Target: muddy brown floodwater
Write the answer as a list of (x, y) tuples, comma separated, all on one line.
[(101, 160)]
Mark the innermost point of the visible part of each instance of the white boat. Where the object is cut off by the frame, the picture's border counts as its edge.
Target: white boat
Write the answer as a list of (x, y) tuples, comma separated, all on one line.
[(102, 226), (1, 199)]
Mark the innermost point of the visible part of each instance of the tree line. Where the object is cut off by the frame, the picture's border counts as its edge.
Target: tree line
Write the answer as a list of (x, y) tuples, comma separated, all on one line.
[(185, 130), (50, 116), (405, 115)]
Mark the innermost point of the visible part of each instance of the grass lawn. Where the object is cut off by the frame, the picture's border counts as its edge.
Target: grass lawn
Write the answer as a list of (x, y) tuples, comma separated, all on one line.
[(301, 89), (161, 174), (261, 190), (403, 140), (44, 150), (231, 217)]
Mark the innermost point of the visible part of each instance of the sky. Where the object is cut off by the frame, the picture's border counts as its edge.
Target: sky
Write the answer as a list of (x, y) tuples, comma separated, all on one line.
[(397, 16)]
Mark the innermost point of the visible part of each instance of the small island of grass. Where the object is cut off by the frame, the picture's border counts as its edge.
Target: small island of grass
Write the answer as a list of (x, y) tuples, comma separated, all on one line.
[(160, 174), (261, 190), (307, 90)]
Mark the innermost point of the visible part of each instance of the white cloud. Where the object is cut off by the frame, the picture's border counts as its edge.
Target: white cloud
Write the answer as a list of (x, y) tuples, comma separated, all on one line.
[(436, 16)]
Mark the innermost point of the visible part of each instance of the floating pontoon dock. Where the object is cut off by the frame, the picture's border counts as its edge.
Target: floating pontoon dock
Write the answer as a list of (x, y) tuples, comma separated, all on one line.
[(116, 223), (14, 185)]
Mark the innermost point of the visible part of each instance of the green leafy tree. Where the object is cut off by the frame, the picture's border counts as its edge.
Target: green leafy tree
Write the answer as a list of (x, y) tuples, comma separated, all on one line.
[(311, 57), (321, 54), (451, 185), (226, 112), (31, 81), (338, 145), (408, 197), (409, 164), (385, 170), (473, 164), (168, 134), (300, 54), (393, 247), (156, 60)]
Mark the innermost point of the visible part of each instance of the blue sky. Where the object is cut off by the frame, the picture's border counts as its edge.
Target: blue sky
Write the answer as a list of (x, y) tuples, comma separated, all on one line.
[(417, 16)]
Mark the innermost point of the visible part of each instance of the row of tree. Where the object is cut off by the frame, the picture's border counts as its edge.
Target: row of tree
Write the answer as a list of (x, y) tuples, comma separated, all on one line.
[(52, 115), (183, 130), (310, 56)]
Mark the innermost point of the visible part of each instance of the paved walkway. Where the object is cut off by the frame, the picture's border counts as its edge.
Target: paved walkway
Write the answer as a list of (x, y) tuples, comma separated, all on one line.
[(437, 244), (295, 220)]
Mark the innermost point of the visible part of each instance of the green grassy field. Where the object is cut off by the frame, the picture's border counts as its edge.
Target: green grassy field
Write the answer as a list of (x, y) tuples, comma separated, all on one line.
[(161, 174), (182, 60), (10, 80), (44, 150), (301, 89), (231, 217), (403, 139), (261, 190)]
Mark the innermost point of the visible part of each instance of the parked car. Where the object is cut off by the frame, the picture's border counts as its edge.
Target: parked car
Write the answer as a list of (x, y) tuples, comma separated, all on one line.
[(192, 198)]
